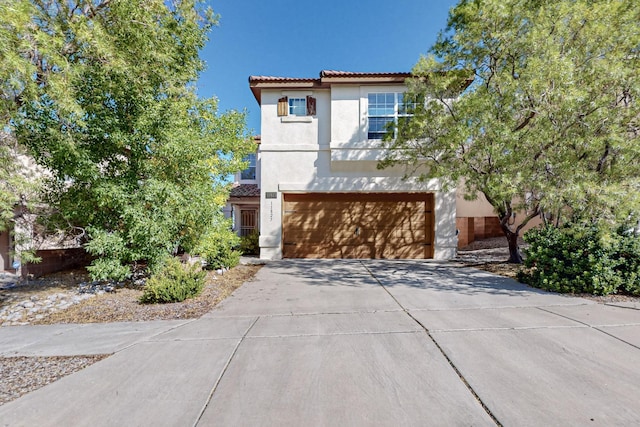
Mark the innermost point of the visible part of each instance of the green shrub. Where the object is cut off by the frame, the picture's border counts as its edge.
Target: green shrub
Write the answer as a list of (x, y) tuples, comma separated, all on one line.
[(249, 245), (108, 268), (628, 252), (217, 247), (174, 282), (582, 260)]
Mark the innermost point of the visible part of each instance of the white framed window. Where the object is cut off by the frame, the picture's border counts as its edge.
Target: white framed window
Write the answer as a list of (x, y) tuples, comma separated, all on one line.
[(297, 106), (385, 108)]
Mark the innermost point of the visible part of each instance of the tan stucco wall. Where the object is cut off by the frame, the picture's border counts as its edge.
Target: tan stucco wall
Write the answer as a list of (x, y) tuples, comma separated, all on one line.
[(472, 208)]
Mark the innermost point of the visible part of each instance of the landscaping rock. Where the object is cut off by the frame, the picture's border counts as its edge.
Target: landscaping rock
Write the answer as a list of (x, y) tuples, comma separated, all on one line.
[(14, 313)]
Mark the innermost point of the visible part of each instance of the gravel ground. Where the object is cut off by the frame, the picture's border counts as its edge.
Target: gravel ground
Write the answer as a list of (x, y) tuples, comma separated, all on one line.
[(20, 375)]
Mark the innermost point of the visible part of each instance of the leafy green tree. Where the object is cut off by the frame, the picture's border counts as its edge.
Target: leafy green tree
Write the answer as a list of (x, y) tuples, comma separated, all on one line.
[(101, 93), (12, 183), (550, 123)]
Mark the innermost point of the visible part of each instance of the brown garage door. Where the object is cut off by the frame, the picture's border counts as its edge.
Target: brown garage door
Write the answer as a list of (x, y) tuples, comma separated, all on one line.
[(345, 225)]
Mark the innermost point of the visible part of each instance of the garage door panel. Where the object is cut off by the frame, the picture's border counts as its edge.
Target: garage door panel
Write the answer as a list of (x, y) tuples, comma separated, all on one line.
[(309, 250), (355, 208), (410, 251), (397, 225), (364, 234), (312, 220)]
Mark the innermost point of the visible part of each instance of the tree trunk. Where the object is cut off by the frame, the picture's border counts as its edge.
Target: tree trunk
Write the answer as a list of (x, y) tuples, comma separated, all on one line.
[(515, 257)]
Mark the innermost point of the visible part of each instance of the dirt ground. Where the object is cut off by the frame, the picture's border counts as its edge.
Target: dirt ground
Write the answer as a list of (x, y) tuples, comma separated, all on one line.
[(122, 304), (20, 375)]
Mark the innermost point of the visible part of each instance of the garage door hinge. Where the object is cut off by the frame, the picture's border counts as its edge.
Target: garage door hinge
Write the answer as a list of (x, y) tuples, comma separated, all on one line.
[(426, 244), (290, 243)]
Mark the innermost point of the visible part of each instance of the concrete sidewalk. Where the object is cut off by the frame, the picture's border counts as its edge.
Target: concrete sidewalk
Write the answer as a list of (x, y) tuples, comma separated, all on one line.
[(350, 343)]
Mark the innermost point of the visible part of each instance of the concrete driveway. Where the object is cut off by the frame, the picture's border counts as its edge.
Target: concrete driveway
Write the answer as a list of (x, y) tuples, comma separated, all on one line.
[(351, 343)]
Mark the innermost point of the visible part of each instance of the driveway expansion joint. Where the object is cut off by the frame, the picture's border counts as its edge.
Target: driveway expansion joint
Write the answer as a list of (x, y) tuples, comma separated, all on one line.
[(444, 354), (334, 334), (613, 304), (613, 336), (597, 327), (501, 307), (224, 370), (510, 328)]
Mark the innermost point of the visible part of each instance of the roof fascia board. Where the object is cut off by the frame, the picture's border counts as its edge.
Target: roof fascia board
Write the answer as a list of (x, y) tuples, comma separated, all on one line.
[(364, 80)]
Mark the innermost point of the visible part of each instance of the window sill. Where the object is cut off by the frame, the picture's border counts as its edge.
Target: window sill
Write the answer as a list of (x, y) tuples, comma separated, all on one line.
[(296, 119)]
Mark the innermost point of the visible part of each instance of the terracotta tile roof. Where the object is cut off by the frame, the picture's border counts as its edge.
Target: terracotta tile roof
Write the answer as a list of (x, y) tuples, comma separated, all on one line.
[(326, 80), (257, 83), (245, 190), (323, 73), (335, 73), (276, 79)]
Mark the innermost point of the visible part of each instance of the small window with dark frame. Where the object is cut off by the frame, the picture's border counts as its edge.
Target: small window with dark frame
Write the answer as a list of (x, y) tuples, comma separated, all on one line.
[(250, 172)]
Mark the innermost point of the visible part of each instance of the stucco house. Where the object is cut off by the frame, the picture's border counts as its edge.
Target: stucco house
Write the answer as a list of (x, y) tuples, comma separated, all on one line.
[(321, 194)]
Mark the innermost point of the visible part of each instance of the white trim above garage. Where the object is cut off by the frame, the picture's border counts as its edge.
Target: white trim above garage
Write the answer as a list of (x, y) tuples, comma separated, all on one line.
[(364, 184)]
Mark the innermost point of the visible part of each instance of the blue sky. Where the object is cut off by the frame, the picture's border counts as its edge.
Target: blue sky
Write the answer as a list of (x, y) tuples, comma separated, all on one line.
[(299, 38)]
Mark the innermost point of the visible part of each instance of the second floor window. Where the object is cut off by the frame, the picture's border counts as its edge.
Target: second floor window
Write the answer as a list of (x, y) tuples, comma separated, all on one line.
[(250, 172), (386, 108), (297, 106)]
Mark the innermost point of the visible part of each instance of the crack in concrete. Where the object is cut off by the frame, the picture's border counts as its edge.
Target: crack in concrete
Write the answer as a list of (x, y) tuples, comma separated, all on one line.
[(444, 354), (224, 370), (507, 328), (596, 327), (502, 307), (336, 334), (312, 313), (613, 304)]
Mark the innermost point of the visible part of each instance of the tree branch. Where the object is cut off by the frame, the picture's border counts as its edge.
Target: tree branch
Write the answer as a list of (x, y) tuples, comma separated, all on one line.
[(525, 122), (529, 217), (91, 11), (603, 159)]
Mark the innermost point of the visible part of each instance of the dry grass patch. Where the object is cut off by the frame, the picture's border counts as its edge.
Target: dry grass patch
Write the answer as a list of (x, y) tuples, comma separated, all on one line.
[(502, 268), (124, 306)]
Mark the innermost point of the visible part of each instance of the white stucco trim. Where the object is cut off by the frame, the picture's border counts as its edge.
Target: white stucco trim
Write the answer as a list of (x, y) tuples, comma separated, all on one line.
[(445, 237), (297, 93), (363, 155), (362, 184), (371, 144), (296, 119), (294, 147), (354, 151), (270, 247)]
